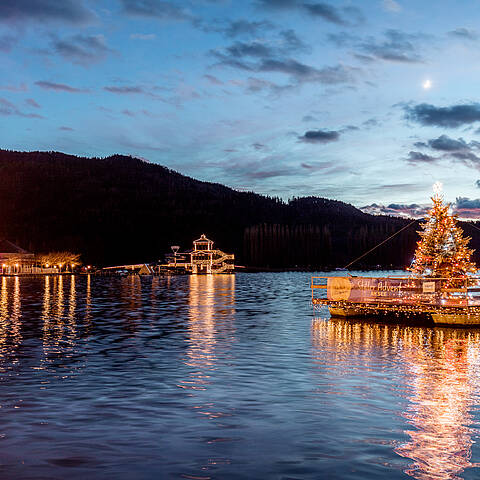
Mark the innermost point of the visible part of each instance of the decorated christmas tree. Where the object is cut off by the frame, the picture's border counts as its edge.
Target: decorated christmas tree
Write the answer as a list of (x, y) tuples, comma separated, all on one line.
[(442, 250)]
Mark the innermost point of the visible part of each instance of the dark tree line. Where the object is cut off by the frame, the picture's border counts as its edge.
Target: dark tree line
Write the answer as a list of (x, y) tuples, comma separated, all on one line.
[(124, 210)]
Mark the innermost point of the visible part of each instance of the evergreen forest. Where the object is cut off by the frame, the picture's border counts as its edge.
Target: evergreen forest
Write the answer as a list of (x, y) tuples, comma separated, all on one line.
[(121, 209)]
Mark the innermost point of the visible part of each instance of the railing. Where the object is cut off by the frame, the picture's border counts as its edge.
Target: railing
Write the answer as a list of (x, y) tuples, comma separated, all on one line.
[(223, 258), (459, 291), (222, 268)]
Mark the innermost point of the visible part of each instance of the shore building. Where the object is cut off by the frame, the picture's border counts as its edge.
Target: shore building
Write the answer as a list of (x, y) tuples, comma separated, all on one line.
[(14, 259)]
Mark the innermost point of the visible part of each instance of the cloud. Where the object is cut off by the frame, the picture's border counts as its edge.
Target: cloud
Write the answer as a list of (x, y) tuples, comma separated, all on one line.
[(251, 49), (419, 157), (412, 210), (370, 123), (155, 9), (464, 34), (320, 166), (464, 202), (469, 158), (463, 207), (125, 90), (397, 47), (467, 208), (7, 42), (258, 169), (452, 149), (320, 136), (273, 56), (349, 128), (66, 129), (32, 103), (134, 90), (7, 108), (213, 80), (287, 42), (450, 117), (447, 144), (143, 36), (350, 16), (278, 3), (477, 183), (391, 6), (14, 88), (256, 85), (245, 27), (59, 87), (291, 42), (82, 49), (300, 72), (309, 118), (68, 11), (342, 39), (236, 28), (306, 73), (326, 11)]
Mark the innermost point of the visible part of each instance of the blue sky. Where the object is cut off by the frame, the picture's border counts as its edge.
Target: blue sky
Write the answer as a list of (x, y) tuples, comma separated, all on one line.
[(366, 102)]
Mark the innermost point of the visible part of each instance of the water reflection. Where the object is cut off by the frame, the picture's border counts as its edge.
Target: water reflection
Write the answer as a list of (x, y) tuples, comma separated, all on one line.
[(58, 320), (441, 372), (88, 299), (10, 318), (444, 392), (211, 301)]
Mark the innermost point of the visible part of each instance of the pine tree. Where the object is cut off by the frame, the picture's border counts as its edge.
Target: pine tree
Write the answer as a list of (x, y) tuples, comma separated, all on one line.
[(442, 250)]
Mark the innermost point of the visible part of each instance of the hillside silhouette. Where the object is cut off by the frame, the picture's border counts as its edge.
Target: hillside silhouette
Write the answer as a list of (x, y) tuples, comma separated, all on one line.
[(122, 209)]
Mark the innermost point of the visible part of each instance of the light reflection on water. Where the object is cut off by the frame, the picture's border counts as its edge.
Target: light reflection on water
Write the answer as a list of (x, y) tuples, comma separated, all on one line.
[(225, 377), (211, 300), (441, 384)]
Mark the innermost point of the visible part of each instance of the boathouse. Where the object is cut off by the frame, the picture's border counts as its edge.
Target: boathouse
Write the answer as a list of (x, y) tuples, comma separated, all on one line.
[(14, 259), (202, 259)]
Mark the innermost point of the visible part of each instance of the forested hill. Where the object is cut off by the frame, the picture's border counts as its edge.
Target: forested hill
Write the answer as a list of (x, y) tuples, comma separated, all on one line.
[(121, 209)]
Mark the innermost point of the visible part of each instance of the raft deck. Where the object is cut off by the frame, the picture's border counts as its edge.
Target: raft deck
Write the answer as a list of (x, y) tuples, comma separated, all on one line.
[(444, 301)]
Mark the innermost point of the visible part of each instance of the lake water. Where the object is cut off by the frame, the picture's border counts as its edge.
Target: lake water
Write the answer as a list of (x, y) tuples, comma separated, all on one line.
[(225, 377)]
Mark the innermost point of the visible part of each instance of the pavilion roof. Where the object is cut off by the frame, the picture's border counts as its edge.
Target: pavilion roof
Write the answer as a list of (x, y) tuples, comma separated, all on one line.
[(9, 247), (202, 239)]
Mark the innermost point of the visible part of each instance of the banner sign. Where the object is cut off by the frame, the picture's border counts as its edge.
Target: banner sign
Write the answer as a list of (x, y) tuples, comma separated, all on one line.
[(374, 290)]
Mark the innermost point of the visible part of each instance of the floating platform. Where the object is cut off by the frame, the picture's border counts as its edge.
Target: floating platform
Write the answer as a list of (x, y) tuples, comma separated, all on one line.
[(438, 301)]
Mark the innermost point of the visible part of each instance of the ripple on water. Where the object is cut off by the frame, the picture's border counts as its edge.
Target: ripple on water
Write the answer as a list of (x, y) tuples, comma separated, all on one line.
[(225, 377)]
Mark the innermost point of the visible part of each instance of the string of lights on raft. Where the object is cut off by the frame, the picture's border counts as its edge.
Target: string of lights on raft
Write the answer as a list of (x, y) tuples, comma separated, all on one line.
[(397, 310)]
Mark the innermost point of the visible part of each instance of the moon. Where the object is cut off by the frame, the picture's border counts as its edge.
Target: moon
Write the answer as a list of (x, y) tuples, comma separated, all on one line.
[(427, 84)]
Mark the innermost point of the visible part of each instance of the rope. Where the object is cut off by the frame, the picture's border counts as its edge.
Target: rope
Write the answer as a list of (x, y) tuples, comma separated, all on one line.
[(473, 225), (376, 246)]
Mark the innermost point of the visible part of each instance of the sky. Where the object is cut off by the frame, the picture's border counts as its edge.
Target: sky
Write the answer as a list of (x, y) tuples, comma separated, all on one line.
[(368, 102)]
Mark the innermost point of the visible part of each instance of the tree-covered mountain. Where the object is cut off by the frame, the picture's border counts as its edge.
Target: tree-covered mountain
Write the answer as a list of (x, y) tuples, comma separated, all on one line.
[(121, 209)]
